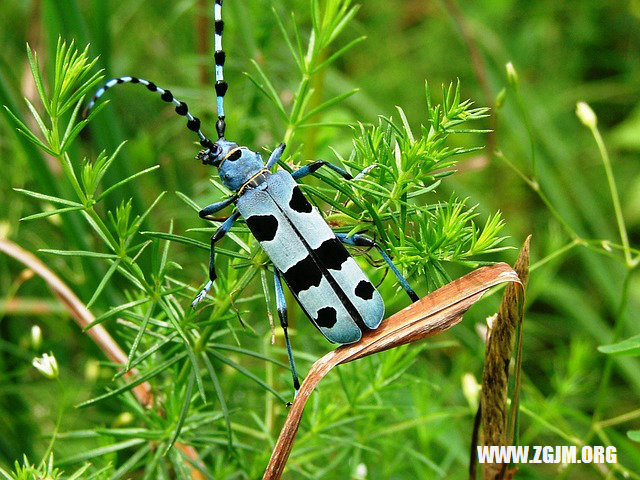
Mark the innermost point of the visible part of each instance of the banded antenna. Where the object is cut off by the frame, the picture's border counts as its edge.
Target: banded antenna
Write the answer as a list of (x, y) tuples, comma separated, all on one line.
[(193, 123), (219, 57)]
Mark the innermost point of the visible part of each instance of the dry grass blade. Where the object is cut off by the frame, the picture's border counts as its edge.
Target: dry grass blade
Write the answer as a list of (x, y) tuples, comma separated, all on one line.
[(98, 333), (428, 316), (495, 378)]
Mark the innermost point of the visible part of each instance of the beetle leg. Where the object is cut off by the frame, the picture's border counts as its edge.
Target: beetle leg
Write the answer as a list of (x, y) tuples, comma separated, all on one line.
[(275, 156), (209, 210), (220, 232), (312, 167), (281, 305), (364, 241)]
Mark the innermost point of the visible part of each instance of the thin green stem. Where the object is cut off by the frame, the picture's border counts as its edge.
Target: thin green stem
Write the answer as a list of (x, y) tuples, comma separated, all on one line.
[(625, 417), (527, 124), (535, 186), (615, 198), (561, 251), (602, 394)]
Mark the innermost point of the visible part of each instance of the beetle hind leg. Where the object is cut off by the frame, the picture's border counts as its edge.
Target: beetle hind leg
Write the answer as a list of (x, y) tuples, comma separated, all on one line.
[(364, 241), (281, 305)]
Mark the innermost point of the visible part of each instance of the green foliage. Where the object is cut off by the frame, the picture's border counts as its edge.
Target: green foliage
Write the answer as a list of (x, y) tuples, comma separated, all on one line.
[(72, 81), (46, 471)]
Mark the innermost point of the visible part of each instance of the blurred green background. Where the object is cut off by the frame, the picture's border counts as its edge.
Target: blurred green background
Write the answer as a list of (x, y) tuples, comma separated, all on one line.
[(417, 425)]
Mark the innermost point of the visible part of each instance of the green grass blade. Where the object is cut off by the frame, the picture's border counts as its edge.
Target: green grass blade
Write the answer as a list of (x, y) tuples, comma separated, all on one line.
[(183, 411), (103, 282), (161, 367)]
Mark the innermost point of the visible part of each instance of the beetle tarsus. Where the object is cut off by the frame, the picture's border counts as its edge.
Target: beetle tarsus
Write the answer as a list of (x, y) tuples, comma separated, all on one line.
[(202, 294)]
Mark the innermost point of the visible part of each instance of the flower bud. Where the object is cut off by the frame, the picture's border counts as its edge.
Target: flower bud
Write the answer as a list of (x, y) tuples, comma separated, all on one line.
[(36, 337), (92, 370), (471, 390), (586, 115), (512, 75), (47, 365), (122, 420)]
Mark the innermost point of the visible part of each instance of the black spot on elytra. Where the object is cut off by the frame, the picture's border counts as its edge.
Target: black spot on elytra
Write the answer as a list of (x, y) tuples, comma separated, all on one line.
[(263, 227), (298, 202), (235, 155), (365, 290), (331, 254), (303, 275), (327, 317)]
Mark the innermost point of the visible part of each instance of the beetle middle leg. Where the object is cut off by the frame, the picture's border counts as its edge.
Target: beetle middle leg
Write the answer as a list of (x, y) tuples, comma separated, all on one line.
[(281, 305), (209, 210), (220, 232), (364, 241)]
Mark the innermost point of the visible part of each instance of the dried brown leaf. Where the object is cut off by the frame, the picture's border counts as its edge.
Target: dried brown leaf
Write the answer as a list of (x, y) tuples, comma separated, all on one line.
[(428, 316)]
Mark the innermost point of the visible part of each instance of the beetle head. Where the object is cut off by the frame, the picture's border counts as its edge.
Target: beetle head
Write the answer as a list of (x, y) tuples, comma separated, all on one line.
[(236, 165)]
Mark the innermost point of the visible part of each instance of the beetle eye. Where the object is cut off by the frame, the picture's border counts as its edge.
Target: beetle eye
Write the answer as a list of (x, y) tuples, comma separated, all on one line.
[(235, 155)]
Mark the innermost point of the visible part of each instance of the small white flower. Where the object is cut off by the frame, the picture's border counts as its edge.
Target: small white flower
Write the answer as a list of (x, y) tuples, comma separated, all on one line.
[(36, 337), (586, 115), (47, 365), (361, 471)]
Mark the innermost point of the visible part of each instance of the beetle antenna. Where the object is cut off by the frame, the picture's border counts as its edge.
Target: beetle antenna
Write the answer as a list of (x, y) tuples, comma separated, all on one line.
[(219, 57), (193, 123)]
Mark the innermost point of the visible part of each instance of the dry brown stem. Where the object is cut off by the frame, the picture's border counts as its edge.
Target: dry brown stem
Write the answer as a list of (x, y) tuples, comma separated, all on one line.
[(428, 316), (495, 378)]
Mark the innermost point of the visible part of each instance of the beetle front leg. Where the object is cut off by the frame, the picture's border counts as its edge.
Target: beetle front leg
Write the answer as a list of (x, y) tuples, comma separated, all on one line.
[(220, 232), (275, 156)]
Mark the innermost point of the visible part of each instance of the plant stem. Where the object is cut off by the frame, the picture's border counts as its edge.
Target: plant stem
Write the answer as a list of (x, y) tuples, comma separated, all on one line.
[(626, 417), (601, 396), (615, 198), (555, 254), (535, 186)]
